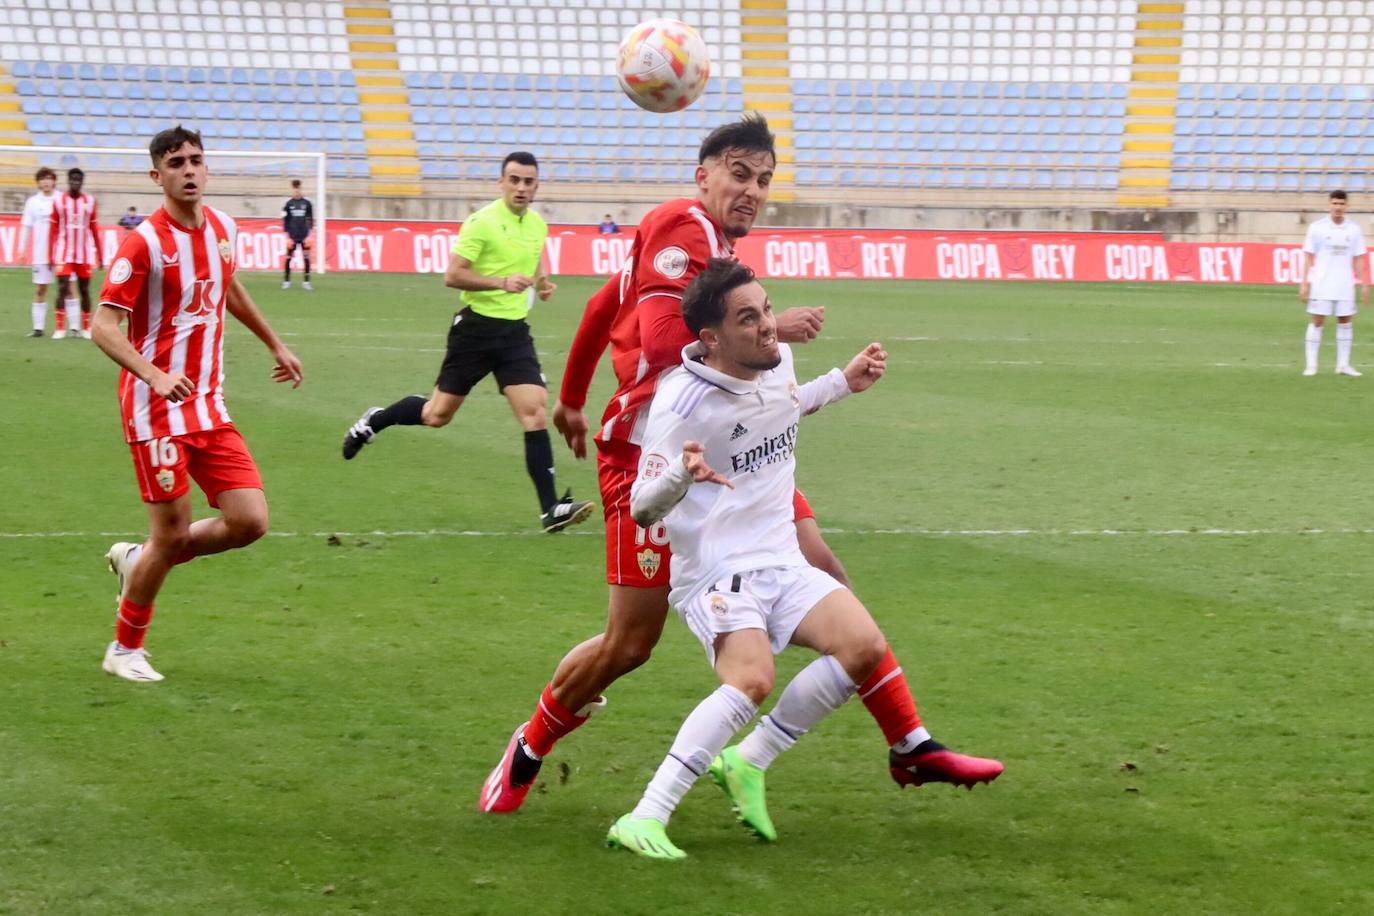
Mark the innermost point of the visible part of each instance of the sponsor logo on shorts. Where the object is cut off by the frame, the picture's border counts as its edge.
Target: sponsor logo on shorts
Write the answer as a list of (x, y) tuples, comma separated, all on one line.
[(121, 270), (671, 262), (166, 479), (649, 562)]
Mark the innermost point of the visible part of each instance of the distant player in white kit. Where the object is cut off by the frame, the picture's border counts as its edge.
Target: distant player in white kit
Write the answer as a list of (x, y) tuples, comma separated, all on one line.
[(1334, 274), (717, 469), (34, 226)]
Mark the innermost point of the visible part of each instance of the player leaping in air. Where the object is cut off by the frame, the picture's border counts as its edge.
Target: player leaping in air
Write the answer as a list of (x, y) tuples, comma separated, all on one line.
[(173, 280), (639, 315)]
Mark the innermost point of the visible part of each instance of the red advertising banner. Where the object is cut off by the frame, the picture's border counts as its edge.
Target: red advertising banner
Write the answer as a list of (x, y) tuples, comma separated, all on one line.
[(387, 246)]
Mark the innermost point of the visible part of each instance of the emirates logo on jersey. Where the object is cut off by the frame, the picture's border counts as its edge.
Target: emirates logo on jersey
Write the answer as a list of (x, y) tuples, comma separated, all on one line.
[(202, 307)]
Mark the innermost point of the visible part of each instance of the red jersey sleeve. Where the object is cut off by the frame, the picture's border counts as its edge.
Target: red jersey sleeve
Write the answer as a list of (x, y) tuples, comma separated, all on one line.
[(671, 257), (54, 230), (126, 284), (592, 337), (95, 235)]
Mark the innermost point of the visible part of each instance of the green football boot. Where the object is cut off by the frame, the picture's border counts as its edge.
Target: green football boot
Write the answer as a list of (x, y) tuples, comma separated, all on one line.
[(742, 783), (643, 836)]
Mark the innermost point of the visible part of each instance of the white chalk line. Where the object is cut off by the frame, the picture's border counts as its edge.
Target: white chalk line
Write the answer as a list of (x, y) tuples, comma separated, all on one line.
[(885, 532)]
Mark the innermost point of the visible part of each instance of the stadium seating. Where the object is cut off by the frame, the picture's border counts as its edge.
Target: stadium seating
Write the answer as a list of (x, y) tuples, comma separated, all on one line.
[(1272, 95)]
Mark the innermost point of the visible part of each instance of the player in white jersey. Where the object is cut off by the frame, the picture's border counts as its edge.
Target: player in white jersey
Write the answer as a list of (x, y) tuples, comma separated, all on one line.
[(1334, 273), (717, 469), (34, 226)]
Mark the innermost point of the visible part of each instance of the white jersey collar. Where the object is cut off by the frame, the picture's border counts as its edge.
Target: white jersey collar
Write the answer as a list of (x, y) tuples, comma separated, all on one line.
[(691, 361)]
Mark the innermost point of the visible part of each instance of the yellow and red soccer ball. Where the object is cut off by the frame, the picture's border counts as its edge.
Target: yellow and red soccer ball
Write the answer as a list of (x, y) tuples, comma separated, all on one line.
[(663, 65)]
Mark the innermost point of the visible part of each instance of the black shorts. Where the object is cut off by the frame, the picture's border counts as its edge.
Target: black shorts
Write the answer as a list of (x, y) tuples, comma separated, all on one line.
[(478, 345)]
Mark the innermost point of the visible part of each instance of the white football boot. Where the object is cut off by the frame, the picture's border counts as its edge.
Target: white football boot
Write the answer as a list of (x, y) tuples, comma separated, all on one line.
[(1349, 370), (130, 664)]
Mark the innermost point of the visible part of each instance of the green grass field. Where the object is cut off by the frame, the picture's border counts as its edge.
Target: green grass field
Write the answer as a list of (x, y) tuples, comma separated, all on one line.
[(1114, 536)]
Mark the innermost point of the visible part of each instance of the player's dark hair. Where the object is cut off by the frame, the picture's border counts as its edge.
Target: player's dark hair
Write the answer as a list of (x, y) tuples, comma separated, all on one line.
[(295, 182), (750, 133), (1338, 194), (703, 302), (75, 173), (519, 157), (44, 172), (173, 138)]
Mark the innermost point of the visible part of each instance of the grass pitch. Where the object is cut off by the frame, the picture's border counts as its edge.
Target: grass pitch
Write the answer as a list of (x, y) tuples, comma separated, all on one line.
[(1114, 536)]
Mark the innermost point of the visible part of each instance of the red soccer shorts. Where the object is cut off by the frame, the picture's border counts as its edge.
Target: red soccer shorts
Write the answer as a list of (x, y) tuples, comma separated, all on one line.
[(82, 271), (217, 460), (636, 557)]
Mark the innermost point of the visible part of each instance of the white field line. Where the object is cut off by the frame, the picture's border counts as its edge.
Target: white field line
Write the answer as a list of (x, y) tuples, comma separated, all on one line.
[(887, 532)]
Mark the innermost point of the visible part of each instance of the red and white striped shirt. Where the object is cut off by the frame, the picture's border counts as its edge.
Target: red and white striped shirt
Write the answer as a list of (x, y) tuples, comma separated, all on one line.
[(74, 236), (174, 282)]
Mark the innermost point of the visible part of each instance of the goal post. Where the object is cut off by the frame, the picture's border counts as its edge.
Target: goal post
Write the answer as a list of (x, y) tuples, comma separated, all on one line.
[(244, 183)]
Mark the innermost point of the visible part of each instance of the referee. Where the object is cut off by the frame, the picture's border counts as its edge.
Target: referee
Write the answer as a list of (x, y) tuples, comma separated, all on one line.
[(495, 262)]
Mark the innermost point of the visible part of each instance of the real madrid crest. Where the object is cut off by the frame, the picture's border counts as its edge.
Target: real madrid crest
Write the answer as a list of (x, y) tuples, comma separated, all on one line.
[(224, 249), (794, 393), (649, 562), (166, 479), (719, 605)]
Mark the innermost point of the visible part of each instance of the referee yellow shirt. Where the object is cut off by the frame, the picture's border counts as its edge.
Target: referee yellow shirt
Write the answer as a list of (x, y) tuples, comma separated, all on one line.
[(498, 243)]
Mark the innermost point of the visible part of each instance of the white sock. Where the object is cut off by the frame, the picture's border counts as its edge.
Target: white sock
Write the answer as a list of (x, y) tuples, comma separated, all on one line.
[(39, 310), (1314, 345), (1345, 339), (912, 741), (703, 735), (818, 690), (73, 307)]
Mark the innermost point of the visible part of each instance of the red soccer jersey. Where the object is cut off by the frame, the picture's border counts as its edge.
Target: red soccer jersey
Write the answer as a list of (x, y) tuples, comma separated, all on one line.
[(74, 237), (647, 333), (174, 281)]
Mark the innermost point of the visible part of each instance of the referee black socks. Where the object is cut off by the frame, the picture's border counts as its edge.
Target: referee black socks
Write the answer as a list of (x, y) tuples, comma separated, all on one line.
[(405, 412), (539, 464)]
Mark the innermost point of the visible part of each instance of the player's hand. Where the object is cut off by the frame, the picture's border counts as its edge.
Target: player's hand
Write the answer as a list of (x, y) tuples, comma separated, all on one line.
[(175, 388), (1302, 292), (288, 367), (694, 459), (545, 288), (866, 368), (800, 324), (516, 283), (572, 423)]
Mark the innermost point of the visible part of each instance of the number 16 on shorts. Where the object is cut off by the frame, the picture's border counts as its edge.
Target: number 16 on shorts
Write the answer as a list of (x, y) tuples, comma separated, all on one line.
[(161, 469)]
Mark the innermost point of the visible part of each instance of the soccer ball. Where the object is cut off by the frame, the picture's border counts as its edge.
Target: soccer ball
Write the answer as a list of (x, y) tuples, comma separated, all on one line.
[(663, 65)]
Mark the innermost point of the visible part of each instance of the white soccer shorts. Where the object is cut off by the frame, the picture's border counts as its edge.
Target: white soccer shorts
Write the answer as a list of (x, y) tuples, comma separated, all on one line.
[(1338, 307), (775, 600), (42, 274)]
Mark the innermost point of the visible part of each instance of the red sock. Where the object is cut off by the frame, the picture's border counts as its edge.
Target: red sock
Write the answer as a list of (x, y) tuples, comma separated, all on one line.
[(889, 700), (550, 721), (59, 317), (85, 321), (132, 623)]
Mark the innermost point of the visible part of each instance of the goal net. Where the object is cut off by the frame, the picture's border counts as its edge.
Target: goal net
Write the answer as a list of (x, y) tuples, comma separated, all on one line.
[(249, 186)]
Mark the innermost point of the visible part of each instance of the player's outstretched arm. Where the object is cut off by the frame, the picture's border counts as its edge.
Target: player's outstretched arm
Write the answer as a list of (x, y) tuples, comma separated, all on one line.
[(242, 307), (108, 334), (862, 373)]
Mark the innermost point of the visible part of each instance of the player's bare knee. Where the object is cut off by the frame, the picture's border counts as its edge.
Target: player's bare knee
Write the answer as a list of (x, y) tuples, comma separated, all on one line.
[(434, 419), (862, 652), (756, 683), (625, 655)]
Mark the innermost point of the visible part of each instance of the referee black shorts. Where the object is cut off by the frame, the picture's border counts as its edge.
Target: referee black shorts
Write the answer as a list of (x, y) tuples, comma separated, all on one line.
[(479, 345)]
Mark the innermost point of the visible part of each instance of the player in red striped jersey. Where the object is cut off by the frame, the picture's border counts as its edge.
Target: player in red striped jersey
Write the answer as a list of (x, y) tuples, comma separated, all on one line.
[(173, 279), (638, 315), (74, 238)]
